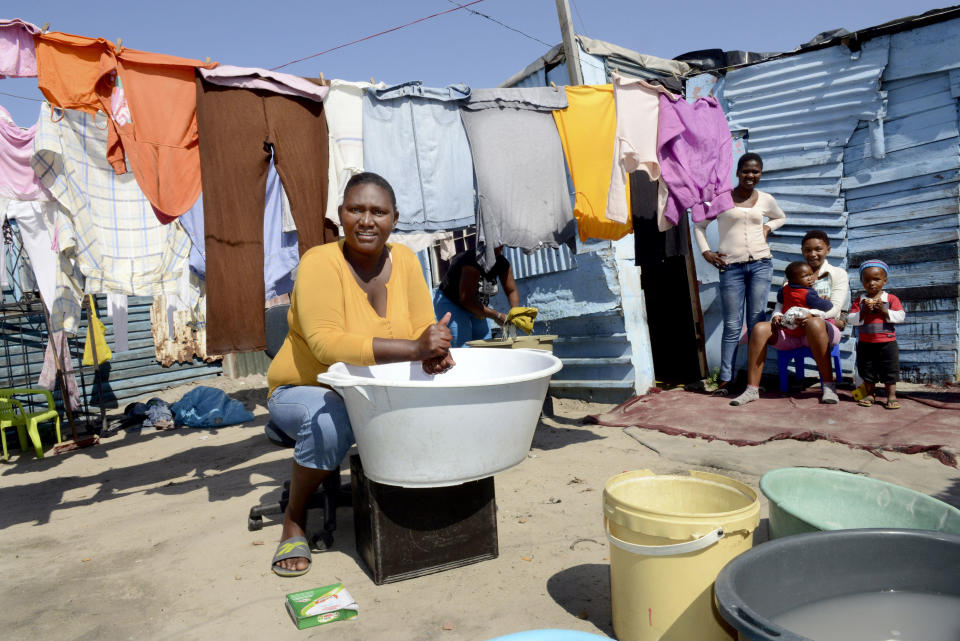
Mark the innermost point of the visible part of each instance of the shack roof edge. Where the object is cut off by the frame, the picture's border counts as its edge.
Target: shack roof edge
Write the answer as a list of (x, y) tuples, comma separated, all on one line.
[(854, 38), (601, 48)]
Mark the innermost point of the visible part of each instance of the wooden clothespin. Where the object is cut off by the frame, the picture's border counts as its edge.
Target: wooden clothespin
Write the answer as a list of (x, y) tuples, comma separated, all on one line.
[(371, 81), (207, 60), (46, 25), (322, 80), (554, 85), (119, 43)]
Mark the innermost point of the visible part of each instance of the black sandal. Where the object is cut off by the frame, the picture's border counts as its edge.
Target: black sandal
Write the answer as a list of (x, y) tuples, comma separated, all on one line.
[(723, 389)]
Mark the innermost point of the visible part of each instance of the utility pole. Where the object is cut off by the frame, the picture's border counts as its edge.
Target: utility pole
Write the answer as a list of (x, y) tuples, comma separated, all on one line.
[(570, 49)]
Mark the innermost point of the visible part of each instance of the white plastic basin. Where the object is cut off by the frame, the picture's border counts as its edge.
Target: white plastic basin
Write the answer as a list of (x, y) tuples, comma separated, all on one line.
[(475, 420)]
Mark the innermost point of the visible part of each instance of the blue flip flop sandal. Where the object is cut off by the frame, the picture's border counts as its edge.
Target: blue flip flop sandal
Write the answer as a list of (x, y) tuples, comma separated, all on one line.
[(294, 547)]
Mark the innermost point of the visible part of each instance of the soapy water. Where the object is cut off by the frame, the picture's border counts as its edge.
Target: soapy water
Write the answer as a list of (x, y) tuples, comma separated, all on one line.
[(877, 616)]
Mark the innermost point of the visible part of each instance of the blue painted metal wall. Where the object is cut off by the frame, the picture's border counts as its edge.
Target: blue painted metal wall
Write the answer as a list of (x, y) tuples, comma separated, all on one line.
[(864, 145), (598, 312), (902, 202)]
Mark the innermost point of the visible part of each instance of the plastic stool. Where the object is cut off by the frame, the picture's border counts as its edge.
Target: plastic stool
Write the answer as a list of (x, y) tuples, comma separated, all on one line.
[(798, 355), (27, 423)]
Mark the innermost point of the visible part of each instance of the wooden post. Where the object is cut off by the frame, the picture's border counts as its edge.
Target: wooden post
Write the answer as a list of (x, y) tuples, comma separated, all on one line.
[(693, 286), (570, 49)]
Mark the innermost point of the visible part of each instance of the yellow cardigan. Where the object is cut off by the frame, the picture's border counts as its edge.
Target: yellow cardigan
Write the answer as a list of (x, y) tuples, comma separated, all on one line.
[(331, 319)]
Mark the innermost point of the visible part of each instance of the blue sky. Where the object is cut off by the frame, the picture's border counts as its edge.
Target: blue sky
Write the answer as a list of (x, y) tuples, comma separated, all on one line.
[(456, 47)]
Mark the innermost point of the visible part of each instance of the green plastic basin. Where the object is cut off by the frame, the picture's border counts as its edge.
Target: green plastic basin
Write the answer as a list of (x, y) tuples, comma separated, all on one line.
[(804, 499)]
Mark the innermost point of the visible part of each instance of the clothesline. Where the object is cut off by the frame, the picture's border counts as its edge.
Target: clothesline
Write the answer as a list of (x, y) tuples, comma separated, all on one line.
[(375, 35), (12, 95), (456, 156)]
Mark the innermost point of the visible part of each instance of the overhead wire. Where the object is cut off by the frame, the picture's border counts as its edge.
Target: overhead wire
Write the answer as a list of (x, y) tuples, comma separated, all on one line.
[(502, 24), (376, 35), (13, 95), (457, 7), (577, 9), (522, 33)]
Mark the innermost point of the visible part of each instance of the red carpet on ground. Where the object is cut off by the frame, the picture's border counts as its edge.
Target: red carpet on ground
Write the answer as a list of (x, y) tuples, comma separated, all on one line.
[(928, 424)]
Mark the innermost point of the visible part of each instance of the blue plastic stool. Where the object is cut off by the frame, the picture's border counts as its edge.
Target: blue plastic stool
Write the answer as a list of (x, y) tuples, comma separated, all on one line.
[(798, 355), (551, 635)]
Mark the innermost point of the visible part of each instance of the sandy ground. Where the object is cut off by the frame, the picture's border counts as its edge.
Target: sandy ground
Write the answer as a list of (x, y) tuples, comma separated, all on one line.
[(145, 536)]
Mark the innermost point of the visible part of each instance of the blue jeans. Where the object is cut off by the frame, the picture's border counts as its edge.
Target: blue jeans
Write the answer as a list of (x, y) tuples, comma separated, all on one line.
[(741, 283), (463, 325), (316, 418)]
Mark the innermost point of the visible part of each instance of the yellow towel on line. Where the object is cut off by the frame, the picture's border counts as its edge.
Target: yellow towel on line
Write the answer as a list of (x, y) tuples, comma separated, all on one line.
[(96, 335)]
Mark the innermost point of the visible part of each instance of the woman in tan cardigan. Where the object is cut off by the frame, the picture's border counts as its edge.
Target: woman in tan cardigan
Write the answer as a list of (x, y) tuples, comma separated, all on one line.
[(743, 258)]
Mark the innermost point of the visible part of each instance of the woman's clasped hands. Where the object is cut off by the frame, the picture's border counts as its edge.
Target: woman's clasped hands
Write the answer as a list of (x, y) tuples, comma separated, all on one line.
[(434, 347)]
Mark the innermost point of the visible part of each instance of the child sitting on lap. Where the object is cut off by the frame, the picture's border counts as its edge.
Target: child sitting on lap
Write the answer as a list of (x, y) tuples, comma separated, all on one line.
[(799, 299), (875, 312)]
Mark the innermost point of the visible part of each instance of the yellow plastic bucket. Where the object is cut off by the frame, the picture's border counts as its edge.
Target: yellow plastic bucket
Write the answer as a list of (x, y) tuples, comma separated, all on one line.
[(670, 535)]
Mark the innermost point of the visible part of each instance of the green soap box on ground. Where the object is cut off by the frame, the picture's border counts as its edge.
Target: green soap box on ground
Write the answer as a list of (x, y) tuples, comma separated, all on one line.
[(321, 605)]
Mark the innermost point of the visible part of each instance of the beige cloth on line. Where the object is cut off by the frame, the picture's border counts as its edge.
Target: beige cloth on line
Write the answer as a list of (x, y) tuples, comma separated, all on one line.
[(635, 145)]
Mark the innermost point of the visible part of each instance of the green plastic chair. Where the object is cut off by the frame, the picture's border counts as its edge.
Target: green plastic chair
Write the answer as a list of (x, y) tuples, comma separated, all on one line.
[(12, 414)]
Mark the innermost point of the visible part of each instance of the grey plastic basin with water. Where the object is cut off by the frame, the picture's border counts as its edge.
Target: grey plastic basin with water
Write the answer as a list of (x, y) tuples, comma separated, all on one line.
[(830, 574)]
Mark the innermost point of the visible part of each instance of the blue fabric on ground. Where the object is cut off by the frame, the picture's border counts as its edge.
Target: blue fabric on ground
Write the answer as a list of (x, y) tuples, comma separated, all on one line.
[(209, 407)]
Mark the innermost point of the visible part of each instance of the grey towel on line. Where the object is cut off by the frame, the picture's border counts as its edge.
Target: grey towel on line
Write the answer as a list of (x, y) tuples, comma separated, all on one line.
[(521, 175)]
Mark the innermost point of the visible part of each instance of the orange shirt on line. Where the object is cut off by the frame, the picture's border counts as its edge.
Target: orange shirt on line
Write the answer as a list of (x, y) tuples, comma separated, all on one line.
[(588, 127), (76, 72)]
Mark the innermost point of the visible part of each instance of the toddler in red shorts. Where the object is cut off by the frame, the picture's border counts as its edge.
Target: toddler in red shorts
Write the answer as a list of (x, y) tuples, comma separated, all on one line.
[(875, 312)]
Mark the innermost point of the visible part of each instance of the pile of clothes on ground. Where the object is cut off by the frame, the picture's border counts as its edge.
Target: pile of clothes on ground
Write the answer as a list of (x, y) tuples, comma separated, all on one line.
[(200, 407)]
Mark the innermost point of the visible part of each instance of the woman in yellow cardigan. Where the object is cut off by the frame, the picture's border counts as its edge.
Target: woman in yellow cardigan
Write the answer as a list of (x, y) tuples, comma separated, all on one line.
[(358, 301)]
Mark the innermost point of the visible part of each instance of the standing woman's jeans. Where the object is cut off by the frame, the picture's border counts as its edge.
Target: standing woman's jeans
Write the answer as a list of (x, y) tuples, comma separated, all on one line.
[(741, 283), (463, 325)]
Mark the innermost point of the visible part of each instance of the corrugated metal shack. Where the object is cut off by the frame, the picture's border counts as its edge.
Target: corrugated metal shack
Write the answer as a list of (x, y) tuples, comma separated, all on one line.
[(859, 136)]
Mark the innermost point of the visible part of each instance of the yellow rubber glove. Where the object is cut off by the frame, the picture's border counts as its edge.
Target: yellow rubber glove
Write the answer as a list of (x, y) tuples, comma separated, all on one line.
[(522, 318)]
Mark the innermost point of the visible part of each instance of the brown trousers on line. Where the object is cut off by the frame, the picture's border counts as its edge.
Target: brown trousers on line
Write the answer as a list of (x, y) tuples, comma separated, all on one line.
[(238, 128)]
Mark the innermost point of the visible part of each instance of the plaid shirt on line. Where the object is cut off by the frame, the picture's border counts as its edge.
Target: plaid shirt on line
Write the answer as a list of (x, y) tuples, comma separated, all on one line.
[(105, 224)]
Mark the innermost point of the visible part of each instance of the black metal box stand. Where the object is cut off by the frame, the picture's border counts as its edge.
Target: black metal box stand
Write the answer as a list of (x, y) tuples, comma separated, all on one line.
[(408, 532)]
